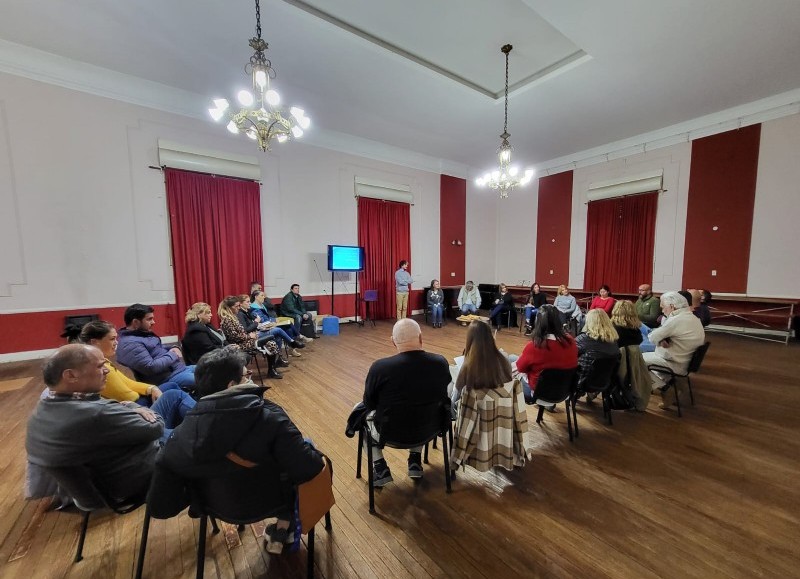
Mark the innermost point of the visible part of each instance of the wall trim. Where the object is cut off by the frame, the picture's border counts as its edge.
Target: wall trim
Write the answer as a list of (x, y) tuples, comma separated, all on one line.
[(72, 308), (39, 354)]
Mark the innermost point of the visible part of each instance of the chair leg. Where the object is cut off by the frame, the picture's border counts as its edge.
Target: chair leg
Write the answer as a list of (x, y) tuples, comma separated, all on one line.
[(450, 433), (691, 394), (82, 537), (575, 418), (371, 475), (569, 420), (539, 416), (201, 547), (310, 548), (446, 463), (328, 525), (607, 409), (214, 526), (360, 452), (425, 454), (143, 542), (258, 369), (434, 443), (677, 396)]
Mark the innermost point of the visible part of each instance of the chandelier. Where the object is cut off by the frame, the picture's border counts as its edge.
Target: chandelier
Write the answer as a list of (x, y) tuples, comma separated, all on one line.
[(260, 118), (507, 176)]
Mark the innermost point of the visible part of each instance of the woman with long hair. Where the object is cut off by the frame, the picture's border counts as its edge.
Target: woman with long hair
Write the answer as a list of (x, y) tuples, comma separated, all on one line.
[(536, 299), (263, 312), (490, 402), (503, 302), (436, 303), (627, 324), (200, 336), (247, 342), (598, 340), (550, 347), (253, 322)]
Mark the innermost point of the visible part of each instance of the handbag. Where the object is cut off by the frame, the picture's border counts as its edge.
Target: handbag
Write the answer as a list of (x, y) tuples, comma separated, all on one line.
[(315, 497)]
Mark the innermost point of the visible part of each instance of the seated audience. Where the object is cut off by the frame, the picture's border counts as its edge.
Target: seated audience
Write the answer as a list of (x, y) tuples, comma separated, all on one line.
[(255, 287), (233, 425), (565, 303), (200, 336), (603, 300), (598, 341), (247, 342), (435, 300), (647, 306), (492, 425), (167, 400), (503, 303), (141, 350), (257, 320), (680, 334), (412, 376), (699, 307), (263, 311), (536, 299), (72, 426), (469, 300), (294, 307), (550, 347), (627, 324)]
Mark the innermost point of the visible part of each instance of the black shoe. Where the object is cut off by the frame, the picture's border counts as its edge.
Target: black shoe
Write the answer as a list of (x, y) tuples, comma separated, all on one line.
[(296, 345), (273, 373), (281, 363), (415, 465), (382, 475)]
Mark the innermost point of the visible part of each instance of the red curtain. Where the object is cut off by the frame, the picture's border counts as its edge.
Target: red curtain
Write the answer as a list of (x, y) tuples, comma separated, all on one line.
[(384, 231), (215, 225), (620, 237)]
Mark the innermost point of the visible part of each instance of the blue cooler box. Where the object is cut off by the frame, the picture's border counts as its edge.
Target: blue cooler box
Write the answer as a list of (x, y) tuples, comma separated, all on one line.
[(330, 326)]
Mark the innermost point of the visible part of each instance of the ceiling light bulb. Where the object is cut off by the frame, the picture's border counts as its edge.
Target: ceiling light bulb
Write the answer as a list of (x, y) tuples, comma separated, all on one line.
[(479, 181), (505, 155), (232, 127), (503, 177), (487, 177), (495, 175), (273, 98), (282, 138), (529, 173), (261, 79), (245, 98), (525, 180), (251, 134), (297, 132), (305, 122), (221, 104), (297, 112), (216, 113)]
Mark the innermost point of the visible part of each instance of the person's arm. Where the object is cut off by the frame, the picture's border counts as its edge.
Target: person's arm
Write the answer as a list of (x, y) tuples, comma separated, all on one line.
[(248, 323), (477, 298), (430, 298), (371, 388), (609, 306), (138, 358), (123, 425), (661, 333), (121, 388), (527, 360), (297, 458), (461, 298), (288, 307), (580, 342)]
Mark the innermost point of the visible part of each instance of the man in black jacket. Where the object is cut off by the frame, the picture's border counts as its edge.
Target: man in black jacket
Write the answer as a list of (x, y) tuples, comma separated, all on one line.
[(241, 452)]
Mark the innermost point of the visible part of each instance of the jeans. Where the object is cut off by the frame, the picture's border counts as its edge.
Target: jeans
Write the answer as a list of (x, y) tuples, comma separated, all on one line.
[(278, 334), (184, 378), (298, 321), (530, 312), (468, 309), (526, 389), (496, 312), (437, 311), (172, 406)]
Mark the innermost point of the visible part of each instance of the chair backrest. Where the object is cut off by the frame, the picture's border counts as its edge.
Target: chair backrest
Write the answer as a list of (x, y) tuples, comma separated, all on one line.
[(697, 358), (555, 385), (76, 482), (371, 295), (597, 377), (410, 425)]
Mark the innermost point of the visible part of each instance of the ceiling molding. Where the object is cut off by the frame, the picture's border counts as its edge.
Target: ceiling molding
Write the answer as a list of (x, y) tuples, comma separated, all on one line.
[(41, 66)]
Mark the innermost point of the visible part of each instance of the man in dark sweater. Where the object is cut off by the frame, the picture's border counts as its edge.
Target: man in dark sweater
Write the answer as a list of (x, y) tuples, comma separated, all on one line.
[(412, 376), (72, 426), (293, 307)]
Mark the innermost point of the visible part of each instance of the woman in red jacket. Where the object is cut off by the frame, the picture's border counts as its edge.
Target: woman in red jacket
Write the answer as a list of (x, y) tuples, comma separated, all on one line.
[(550, 347), (603, 301)]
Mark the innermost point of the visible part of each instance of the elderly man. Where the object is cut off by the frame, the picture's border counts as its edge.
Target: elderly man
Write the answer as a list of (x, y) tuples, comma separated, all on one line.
[(412, 376), (73, 426), (647, 306), (680, 334), (469, 300)]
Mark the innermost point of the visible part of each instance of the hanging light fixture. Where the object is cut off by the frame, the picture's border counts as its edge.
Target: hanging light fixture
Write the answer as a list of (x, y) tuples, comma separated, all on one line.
[(260, 118), (507, 176)]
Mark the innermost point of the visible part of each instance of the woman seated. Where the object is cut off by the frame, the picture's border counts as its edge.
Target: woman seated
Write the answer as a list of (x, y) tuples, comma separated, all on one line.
[(167, 400), (491, 402), (503, 302), (436, 303), (627, 324), (603, 300), (536, 299), (598, 341), (253, 322), (550, 347), (264, 313), (565, 303), (247, 342), (200, 336)]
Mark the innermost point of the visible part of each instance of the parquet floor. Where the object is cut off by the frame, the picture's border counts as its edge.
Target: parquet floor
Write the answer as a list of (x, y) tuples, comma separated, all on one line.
[(714, 494)]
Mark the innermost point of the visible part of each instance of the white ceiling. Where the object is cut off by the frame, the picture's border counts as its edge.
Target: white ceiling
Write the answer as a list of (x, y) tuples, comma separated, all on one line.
[(651, 64)]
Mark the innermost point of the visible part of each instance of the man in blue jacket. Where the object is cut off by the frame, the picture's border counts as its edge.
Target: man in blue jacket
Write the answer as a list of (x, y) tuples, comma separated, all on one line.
[(142, 351)]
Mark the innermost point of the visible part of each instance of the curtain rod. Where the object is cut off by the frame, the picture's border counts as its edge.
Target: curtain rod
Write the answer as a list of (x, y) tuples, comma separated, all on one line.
[(162, 167)]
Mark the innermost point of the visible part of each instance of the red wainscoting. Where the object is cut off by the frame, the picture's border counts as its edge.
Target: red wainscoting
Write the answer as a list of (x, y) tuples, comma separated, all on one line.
[(553, 224), (722, 188), (452, 227)]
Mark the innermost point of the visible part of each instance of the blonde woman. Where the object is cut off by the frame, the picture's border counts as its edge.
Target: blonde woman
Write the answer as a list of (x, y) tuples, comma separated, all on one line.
[(598, 340), (565, 303), (200, 336), (236, 335), (627, 324)]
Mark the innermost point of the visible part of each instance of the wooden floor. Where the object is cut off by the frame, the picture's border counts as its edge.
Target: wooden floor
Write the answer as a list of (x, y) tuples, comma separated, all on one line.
[(714, 494)]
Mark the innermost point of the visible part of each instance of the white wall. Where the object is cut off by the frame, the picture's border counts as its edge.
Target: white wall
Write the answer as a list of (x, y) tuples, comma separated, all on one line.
[(516, 235), (83, 220), (481, 239), (774, 256)]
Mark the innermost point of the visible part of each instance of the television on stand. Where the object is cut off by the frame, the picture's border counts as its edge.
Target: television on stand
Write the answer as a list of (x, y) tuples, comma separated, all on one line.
[(346, 258)]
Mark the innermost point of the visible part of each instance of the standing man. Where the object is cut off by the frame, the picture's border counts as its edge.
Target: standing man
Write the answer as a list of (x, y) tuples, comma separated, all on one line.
[(412, 376), (294, 307), (469, 300), (648, 306), (402, 281)]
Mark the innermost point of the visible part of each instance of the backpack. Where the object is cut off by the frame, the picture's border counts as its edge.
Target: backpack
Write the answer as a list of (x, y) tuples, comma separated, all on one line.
[(620, 394)]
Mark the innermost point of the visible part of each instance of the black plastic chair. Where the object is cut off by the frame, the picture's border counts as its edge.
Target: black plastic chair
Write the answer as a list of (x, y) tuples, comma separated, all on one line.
[(553, 387), (76, 482), (694, 366), (597, 380), (404, 427)]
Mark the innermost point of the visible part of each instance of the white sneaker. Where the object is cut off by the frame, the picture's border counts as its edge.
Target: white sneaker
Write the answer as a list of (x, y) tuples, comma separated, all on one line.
[(294, 352)]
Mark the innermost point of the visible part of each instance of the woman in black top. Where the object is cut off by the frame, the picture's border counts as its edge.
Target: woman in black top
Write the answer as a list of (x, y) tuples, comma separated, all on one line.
[(536, 299), (503, 302), (200, 337), (627, 324)]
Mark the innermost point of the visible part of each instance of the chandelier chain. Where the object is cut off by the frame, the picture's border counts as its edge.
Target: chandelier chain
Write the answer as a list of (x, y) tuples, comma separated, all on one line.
[(505, 121), (258, 21)]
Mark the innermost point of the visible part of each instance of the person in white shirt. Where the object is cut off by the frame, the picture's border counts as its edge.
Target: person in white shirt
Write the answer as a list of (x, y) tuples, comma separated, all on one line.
[(469, 299)]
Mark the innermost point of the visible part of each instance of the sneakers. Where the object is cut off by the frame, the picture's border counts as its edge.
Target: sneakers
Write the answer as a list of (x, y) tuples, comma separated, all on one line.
[(281, 363), (296, 345), (295, 353), (415, 465), (382, 475), (275, 539), (304, 339)]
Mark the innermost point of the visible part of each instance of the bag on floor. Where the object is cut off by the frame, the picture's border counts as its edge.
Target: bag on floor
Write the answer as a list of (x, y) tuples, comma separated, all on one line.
[(308, 329)]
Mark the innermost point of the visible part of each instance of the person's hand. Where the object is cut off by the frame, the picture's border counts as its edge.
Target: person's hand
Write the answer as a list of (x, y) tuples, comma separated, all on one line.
[(666, 343), (305, 316), (258, 319), (496, 301), (177, 352), (253, 335), (155, 393), (147, 414)]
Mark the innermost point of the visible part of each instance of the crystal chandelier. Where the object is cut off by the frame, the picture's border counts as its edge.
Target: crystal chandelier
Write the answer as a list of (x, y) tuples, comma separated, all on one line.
[(506, 177), (260, 118)]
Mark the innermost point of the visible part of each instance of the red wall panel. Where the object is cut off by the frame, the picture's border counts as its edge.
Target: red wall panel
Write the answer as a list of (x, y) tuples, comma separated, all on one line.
[(452, 226), (553, 223), (722, 188)]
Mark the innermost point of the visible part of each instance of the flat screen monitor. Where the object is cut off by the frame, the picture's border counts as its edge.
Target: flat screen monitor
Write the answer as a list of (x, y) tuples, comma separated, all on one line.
[(345, 258)]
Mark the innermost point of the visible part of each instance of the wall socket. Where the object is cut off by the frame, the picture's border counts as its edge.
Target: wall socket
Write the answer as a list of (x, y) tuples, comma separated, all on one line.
[(452, 274), (713, 273)]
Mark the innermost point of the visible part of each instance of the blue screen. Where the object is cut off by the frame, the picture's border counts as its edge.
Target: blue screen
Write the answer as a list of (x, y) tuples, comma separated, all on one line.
[(345, 258)]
